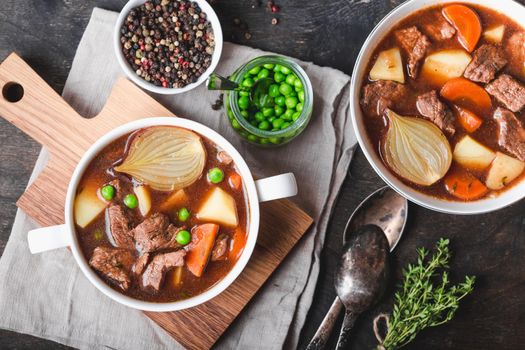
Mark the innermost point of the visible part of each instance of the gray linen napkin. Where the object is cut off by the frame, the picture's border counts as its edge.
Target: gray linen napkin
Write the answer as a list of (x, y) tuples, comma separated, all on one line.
[(46, 295)]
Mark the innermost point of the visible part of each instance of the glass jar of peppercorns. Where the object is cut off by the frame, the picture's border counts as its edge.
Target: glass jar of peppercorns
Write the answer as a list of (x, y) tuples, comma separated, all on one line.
[(288, 100)]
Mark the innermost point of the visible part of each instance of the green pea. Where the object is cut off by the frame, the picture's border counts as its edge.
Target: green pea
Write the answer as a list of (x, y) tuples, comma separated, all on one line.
[(285, 89), (235, 124), (247, 82), (280, 101), (285, 125), (264, 125), (299, 107), (245, 114), (291, 102), (290, 79), (296, 116), (268, 111), (275, 140), (298, 84), (285, 70), (288, 114), (269, 65), (277, 123), (230, 114), (273, 90), (183, 237), (278, 110), (215, 175), (244, 102), (259, 116), (253, 138), (277, 68), (131, 201), (279, 77), (264, 141), (300, 94), (271, 119), (108, 192), (254, 70), (264, 73), (183, 214), (293, 93)]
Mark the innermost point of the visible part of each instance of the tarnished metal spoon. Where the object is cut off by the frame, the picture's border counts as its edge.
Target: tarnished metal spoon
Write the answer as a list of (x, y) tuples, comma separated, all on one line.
[(384, 208), (361, 275), (258, 92)]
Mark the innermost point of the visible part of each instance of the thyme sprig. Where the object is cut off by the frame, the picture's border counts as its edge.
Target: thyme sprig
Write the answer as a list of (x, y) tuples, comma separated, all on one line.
[(426, 298)]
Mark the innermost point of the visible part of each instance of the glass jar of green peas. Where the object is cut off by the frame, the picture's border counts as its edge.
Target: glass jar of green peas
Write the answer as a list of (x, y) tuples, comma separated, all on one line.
[(288, 101)]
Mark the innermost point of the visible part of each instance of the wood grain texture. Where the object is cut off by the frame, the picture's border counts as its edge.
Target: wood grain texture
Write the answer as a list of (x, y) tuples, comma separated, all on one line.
[(328, 33), (47, 118)]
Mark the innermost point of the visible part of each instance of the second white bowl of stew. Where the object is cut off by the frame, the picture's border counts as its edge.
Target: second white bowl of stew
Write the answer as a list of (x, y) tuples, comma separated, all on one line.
[(438, 103), (162, 214)]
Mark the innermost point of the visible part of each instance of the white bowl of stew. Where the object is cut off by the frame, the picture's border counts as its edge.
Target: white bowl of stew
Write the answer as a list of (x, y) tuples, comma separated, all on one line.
[(133, 249), (407, 72)]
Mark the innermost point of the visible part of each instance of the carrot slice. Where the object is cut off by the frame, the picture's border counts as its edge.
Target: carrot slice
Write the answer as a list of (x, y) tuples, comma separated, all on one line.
[(467, 94), (464, 186), (467, 119), (467, 23), (238, 244), (235, 181), (202, 241)]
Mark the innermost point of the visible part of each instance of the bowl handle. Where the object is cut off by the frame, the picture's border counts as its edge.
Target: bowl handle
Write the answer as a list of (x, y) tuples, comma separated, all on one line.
[(276, 187), (48, 238)]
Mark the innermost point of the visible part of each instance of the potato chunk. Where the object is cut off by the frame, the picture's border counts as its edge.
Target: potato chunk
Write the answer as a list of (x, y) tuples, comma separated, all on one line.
[(218, 207), (144, 197), (388, 66), (495, 34), (88, 206), (504, 169), (177, 198), (472, 154), (442, 66)]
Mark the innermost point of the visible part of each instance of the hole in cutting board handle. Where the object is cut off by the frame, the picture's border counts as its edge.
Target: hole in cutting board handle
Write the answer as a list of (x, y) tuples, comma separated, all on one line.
[(13, 92)]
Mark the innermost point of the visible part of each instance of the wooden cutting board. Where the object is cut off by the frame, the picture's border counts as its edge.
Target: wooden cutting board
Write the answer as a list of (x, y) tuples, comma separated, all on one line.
[(46, 117)]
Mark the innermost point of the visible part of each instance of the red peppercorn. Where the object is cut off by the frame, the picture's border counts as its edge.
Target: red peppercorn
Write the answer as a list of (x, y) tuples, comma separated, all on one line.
[(142, 47), (275, 8), (180, 60), (185, 64), (164, 84)]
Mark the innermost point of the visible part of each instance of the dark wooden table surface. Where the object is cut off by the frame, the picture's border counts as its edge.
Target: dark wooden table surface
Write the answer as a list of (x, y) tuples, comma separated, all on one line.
[(329, 33)]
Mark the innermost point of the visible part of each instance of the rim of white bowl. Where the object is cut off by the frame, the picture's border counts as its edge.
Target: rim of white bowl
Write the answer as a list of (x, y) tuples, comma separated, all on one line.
[(130, 73), (508, 197)]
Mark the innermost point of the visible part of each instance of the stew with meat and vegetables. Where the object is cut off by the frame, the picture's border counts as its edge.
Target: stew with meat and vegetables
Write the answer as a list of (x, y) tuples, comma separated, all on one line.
[(444, 101), (161, 214)]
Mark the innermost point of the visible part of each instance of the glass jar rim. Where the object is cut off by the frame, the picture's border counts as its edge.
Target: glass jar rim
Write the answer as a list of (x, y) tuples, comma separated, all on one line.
[(308, 95)]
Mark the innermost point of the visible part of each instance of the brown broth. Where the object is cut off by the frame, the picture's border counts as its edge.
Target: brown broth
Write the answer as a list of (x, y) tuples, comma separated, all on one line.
[(99, 173), (487, 134)]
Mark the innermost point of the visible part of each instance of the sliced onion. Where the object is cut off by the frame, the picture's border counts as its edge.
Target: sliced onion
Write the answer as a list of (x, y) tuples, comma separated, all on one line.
[(416, 149), (165, 157)]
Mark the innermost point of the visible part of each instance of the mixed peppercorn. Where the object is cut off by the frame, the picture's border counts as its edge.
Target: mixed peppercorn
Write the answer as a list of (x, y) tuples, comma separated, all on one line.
[(168, 43)]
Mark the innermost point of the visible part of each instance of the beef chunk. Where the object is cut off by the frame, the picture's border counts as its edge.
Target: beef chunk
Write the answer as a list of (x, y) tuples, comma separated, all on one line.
[(380, 95), (416, 45), (438, 28), (515, 49), (119, 191), (436, 111), (114, 264), (508, 91), (119, 226), (155, 233), (220, 248), (157, 268), (487, 60), (140, 264), (511, 134)]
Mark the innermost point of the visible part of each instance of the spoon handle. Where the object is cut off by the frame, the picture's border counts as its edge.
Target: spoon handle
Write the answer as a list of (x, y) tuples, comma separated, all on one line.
[(320, 338), (348, 324), (217, 82)]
